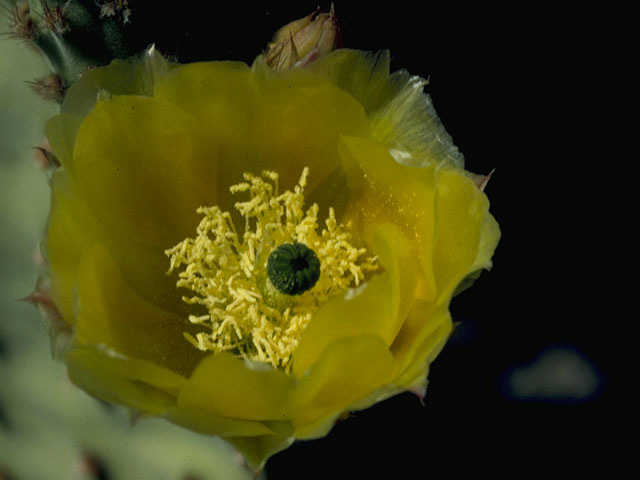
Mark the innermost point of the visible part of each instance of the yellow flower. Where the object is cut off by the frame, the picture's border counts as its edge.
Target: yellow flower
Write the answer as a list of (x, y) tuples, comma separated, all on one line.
[(174, 167)]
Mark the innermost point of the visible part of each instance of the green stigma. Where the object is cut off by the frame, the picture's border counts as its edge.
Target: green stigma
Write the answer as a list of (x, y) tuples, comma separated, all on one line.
[(293, 268)]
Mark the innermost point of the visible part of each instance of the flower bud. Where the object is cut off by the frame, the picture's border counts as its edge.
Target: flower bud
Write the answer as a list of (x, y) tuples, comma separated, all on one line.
[(302, 41)]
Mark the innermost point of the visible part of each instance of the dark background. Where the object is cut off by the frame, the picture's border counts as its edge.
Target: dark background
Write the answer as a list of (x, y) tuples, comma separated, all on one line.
[(518, 89)]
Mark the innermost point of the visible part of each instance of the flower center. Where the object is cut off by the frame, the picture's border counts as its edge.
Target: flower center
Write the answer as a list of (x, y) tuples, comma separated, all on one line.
[(293, 268), (259, 293)]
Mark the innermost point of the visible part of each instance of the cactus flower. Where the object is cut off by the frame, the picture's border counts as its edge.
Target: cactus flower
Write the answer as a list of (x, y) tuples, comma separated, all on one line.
[(253, 253)]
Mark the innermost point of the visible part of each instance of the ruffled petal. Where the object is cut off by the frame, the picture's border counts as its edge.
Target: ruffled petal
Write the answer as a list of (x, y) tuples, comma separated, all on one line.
[(139, 384), (256, 450), (231, 387), (134, 76), (466, 234), (401, 114), (424, 333), (489, 237), (349, 370)]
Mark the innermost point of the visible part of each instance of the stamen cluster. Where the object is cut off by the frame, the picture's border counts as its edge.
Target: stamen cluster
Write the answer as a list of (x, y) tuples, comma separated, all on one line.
[(245, 314)]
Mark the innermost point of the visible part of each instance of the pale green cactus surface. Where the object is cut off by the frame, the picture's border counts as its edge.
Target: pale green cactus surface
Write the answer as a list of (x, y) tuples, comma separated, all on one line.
[(49, 429)]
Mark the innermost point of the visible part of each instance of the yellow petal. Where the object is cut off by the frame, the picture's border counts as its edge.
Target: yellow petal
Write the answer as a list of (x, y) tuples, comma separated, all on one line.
[(402, 116), (138, 384), (62, 131), (208, 423), (377, 308), (110, 313), (256, 450), (281, 122), (489, 238), (317, 425), (73, 226), (68, 233), (209, 88), (231, 387), (134, 76), (143, 168), (423, 335), (382, 190), (414, 378), (349, 370), (465, 233)]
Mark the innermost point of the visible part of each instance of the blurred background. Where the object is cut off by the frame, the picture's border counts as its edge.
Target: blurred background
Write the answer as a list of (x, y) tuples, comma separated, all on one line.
[(531, 372)]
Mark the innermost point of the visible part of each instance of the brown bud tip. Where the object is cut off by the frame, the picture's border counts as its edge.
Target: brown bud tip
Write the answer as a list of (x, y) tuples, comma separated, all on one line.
[(134, 416), (50, 87), (92, 467), (420, 392), (38, 298), (38, 259), (41, 298), (302, 41), (482, 181), (44, 156), (5, 475)]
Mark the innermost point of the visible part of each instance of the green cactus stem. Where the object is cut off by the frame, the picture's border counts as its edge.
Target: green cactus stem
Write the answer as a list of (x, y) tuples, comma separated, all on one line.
[(74, 36)]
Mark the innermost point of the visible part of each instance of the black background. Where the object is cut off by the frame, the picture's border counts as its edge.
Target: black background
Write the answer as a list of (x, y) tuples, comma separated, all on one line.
[(518, 89)]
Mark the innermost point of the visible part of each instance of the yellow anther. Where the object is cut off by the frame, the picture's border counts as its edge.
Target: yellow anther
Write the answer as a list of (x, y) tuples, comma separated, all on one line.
[(246, 314)]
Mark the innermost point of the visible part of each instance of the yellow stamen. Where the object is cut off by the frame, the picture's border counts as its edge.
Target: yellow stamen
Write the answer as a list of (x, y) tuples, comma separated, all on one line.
[(246, 314)]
